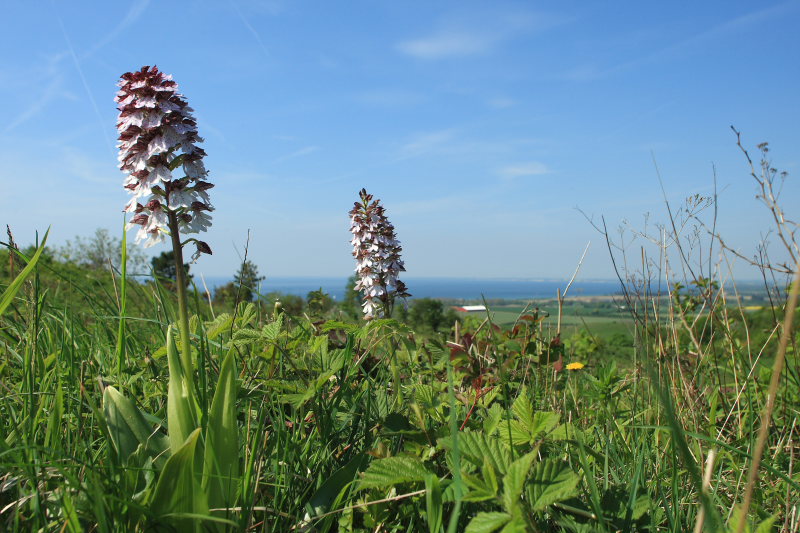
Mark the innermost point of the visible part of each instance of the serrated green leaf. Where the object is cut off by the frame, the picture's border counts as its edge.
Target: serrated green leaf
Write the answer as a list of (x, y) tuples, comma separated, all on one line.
[(161, 352), (194, 322), (219, 325), (248, 315), (492, 418), (515, 433), (271, 331), (476, 493), (514, 480), (523, 409), (475, 446), (642, 504), (565, 431), (481, 488), (766, 525), (516, 524), (489, 476), (539, 425), (551, 481), (246, 334), (335, 324), (298, 399), (385, 473), (426, 395), (543, 423), (487, 522)]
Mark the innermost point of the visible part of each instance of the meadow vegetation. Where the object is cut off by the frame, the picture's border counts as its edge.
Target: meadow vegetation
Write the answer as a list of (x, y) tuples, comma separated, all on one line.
[(133, 404)]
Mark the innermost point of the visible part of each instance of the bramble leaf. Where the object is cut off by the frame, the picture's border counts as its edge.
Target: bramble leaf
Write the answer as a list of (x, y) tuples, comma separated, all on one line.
[(551, 482), (385, 473)]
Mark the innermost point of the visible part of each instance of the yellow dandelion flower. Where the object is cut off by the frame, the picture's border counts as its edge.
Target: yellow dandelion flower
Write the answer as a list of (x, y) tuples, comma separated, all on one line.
[(575, 366)]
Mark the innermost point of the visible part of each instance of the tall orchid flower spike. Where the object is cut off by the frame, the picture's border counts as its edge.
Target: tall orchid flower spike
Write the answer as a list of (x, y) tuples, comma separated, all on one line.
[(377, 253), (166, 176), (159, 153)]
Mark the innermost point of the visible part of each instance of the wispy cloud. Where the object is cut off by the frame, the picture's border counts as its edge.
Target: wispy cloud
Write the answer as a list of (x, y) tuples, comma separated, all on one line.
[(584, 73), (391, 98), (250, 28), (78, 67), (44, 82), (474, 33), (431, 205), (425, 142), (135, 12), (446, 44), (53, 91), (531, 168), (501, 103), (453, 142), (88, 168), (297, 153)]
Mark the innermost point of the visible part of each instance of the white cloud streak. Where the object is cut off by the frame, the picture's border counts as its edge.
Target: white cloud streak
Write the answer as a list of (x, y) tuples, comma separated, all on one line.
[(531, 168), (446, 44), (135, 12), (474, 34), (424, 143), (52, 92), (583, 73), (251, 29), (86, 85), (297, 153)]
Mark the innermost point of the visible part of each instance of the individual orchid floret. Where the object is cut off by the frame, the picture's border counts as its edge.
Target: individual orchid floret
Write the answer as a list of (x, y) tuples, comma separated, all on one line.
[(377, 253), (159, 153)]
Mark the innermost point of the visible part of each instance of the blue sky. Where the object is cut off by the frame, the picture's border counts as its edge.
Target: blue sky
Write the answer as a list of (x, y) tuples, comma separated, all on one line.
[(480, 125)]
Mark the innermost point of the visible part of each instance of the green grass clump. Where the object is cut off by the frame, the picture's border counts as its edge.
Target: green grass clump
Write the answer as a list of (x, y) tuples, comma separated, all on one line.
[(122, 411), (350, 426)]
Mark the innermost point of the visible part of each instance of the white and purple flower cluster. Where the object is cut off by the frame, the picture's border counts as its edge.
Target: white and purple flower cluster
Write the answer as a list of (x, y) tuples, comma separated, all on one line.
[(377, 253), (157, 137)]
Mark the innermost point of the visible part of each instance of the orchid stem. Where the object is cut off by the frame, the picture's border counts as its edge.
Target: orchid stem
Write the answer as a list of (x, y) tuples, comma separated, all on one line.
[(183, 308)]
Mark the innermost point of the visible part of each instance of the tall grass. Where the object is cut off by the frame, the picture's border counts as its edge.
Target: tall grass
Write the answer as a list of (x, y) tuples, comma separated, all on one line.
[(348, 426)]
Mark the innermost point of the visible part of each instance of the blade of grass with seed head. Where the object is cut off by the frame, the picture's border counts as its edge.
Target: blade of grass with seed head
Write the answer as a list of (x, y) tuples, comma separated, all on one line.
[(12, 289)]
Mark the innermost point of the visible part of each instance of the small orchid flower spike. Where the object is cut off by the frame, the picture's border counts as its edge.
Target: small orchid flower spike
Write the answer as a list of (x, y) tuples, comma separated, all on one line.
[(377, 253)]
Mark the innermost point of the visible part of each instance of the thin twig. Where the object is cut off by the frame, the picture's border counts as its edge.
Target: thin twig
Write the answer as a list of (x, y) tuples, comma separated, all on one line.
[(561, 295)]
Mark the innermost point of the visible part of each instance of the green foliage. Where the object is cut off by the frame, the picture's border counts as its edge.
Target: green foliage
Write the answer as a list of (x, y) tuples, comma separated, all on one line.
[(385, 473), (319, 303), (429, 315), (129, 430), (292, 304), (178, 492), (247, 280), (586, 346), (351, 305), (100, 251), (165, 271), (11, 291), (285, 422)]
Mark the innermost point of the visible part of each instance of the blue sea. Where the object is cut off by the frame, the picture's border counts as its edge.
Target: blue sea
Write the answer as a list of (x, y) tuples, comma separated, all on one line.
[(449, 288)]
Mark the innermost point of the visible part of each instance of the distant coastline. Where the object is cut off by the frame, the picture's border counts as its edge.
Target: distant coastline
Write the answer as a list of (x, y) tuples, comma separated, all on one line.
[(446, 288)]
